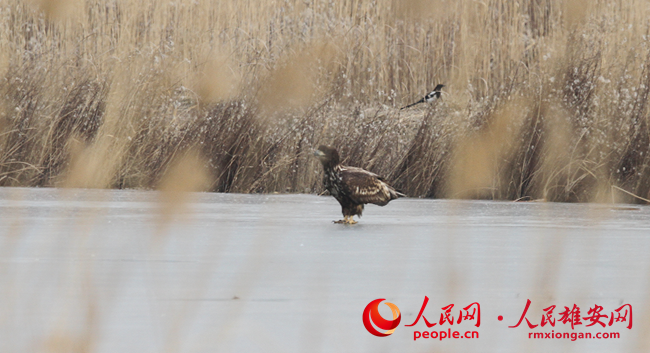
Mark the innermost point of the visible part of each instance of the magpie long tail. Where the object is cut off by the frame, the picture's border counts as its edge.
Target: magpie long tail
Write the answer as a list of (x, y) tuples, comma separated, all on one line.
[(412, 104)]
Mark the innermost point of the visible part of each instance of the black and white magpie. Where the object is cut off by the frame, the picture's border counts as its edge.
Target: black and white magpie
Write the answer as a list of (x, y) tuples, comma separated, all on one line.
[(429, 97)]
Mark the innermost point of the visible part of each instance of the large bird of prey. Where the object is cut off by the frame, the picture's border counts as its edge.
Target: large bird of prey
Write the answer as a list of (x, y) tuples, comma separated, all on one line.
[(353, 187)]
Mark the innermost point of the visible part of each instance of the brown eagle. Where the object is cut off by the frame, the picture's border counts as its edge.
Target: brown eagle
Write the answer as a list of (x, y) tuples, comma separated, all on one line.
[(353, 187)]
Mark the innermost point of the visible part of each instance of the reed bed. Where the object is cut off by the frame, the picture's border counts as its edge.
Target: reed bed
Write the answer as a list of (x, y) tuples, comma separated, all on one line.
[(543, 99)]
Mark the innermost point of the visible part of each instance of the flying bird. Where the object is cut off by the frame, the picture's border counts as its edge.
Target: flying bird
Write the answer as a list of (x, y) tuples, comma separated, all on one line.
[(353, 187), (429, 97)]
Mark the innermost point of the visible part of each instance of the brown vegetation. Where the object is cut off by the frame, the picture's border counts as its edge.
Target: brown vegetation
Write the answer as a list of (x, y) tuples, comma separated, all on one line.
[(543, 99)]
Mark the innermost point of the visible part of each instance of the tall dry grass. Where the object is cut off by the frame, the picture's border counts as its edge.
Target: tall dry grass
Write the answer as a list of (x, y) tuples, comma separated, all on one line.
[(544, 99)]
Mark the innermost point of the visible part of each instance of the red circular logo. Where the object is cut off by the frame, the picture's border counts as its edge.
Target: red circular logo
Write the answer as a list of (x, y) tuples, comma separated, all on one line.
[(371, 316)]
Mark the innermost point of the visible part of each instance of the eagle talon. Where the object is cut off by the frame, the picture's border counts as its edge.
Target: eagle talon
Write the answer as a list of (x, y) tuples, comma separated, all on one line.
[(346, 220)]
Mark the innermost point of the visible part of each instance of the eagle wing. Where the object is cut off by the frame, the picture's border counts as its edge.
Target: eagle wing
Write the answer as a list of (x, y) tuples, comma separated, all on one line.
[(362, 186)]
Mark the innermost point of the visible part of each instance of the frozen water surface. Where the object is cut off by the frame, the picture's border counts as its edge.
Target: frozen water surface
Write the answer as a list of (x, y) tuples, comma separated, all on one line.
[(119, 271)]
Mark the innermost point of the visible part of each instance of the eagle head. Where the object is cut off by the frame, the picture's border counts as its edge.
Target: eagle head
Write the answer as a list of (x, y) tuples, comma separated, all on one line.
[(327, 155)]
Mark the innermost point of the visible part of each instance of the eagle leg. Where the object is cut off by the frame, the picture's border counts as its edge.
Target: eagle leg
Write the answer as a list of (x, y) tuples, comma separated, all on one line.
[(346, 220)]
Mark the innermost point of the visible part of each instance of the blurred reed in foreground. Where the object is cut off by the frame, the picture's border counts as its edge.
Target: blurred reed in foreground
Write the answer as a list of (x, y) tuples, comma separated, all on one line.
[(544, 99)]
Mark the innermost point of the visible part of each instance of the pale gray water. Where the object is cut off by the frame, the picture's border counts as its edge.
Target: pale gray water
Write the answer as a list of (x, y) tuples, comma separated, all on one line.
[(111, 272)]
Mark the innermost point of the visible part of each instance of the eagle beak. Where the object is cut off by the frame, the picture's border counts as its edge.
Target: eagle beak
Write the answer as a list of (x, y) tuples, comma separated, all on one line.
[(319, 153)]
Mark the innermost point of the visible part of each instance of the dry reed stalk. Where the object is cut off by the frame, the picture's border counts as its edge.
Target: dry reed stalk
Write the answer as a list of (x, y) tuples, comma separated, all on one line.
[(255, 85)]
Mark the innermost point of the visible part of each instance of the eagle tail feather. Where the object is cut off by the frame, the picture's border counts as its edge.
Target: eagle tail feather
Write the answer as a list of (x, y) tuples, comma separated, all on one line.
[(394, 194)]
